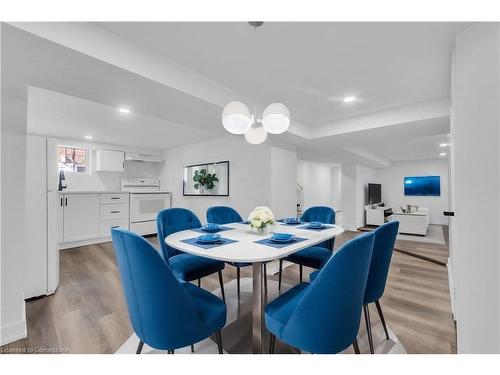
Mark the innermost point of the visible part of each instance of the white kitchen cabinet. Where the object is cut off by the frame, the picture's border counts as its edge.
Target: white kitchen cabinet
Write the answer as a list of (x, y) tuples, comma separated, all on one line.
[(109, 160), (107, 225), (88, 217), (113, 198), (114, 211), (81, 217)]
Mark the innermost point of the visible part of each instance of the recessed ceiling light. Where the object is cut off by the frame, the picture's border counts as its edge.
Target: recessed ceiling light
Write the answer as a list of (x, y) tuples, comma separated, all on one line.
[(443, 144), (88, 137), (123, 110), (442, 154), (349, 99)]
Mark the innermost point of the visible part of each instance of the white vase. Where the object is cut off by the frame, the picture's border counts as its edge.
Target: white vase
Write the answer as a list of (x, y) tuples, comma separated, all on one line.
[(263, 231)]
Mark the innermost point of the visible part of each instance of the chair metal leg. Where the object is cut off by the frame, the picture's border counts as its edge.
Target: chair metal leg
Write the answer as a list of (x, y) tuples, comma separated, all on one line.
[(272, 342), (199, 282), (279, 275), (218, 338), (192, 348), (222, 286), (300, 272), (139, 347), (265, 277), (238, 271), (355, 346), (368, 327), (379, 309)]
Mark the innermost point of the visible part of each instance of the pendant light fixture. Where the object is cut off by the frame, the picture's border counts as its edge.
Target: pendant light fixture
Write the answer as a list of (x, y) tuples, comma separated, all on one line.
[(237, 119), (256, 134), (276, 118)]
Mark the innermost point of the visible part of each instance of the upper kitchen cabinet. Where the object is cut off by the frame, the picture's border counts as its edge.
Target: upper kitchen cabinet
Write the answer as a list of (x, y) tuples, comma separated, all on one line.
[(109, 160)]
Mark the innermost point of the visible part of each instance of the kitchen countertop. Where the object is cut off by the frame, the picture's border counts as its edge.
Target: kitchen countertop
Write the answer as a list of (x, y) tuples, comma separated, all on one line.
[(110, 192), (93, 192)]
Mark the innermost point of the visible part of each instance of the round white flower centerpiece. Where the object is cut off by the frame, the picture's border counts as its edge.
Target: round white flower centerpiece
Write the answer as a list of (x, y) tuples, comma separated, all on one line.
[(261, 220)]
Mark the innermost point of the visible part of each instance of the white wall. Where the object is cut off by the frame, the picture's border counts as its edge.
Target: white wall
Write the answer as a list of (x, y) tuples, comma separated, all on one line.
[(316, 179), (392, 179), (106, 180), (250, 175), (13, 226), (364, 176), (354, 182), (337, 187), (283, 191), (475, 260), (348, 192)]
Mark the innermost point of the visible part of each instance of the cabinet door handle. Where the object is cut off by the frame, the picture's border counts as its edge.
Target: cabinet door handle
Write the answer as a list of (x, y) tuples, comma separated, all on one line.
[(114, 198), (115, 212), (115, 226), (65, 201), (61, 202)]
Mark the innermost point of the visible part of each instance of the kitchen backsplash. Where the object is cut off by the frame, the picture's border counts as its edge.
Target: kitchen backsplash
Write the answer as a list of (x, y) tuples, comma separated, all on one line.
[(111, 180)]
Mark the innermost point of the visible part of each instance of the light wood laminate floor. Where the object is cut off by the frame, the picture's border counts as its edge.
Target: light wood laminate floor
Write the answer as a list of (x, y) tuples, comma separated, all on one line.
[(88, 314)]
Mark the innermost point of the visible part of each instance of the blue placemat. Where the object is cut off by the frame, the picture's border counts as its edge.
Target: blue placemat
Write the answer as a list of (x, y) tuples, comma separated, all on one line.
[(192, 241), (221, 229), (326, 226), (282, 221), (277, 245)]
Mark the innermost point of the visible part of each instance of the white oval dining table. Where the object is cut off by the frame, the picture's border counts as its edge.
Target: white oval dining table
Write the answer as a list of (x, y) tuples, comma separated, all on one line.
[(246, 250)]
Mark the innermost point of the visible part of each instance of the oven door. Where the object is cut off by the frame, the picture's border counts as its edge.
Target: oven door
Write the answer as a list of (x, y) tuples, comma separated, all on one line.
[(145, 207)]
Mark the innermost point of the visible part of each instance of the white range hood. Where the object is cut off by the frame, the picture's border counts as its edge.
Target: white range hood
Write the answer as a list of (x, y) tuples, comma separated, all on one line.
[(154, 158)]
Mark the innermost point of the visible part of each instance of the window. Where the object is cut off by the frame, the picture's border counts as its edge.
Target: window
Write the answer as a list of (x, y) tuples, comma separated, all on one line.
[(72, 159)]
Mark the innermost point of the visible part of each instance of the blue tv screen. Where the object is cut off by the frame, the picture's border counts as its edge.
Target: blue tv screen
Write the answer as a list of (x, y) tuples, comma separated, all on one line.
[(424, 186)]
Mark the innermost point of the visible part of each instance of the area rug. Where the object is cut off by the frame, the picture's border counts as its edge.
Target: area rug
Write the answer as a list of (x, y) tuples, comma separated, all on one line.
[(434, 235)]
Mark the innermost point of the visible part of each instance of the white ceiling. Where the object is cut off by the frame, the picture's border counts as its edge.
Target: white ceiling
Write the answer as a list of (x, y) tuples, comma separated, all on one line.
[(75, 94), (311, 66), (377, 147), (58, 115)]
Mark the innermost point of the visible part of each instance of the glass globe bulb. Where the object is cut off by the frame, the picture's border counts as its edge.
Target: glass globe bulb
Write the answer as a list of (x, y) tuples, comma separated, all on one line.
[(256, 135), (236, 118), (276, 118)]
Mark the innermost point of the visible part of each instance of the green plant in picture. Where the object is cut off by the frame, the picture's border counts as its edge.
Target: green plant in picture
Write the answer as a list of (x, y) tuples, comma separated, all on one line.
[(204, 179)]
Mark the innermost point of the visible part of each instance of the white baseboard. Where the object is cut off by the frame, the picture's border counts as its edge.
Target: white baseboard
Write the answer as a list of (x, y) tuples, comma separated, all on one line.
[(70, 245), (351, 228), (443, 221), (14, 332)]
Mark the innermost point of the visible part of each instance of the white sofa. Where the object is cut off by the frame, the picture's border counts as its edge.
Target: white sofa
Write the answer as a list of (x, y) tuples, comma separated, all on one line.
[(415, 222)]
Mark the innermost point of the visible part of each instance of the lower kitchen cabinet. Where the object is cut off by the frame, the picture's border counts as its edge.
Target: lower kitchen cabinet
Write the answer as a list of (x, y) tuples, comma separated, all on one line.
[(80, 217), (86, 218), (107, 225)]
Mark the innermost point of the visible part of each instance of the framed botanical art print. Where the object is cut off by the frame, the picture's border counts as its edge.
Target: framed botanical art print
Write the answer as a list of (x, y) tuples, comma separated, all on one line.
[(207, 179)]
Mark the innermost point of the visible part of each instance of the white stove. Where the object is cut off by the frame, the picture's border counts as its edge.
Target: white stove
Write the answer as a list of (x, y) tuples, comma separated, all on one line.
[(146, 200)]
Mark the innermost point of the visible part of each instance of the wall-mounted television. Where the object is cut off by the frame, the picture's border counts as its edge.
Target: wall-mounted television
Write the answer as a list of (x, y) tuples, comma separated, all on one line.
[(374, 193), (423, 186)]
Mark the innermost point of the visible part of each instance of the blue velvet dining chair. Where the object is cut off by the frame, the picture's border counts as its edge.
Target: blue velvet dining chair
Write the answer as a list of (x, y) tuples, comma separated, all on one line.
[(314, 256), (226, 215), (385, 238), (165, 313), (323, 316), (186, 267)]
